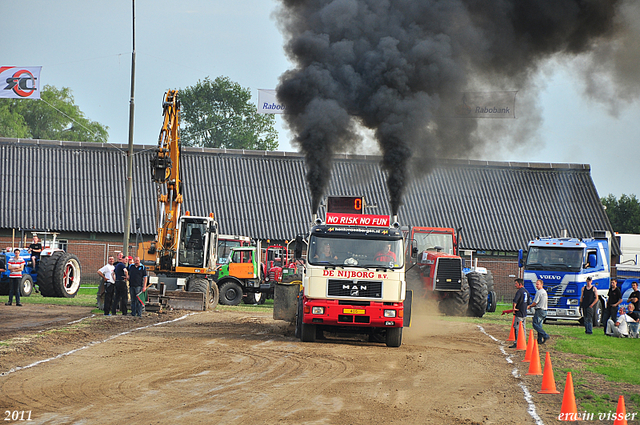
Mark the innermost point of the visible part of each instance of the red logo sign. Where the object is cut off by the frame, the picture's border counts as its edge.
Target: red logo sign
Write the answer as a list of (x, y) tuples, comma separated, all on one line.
[(358, 220), (22, 82)]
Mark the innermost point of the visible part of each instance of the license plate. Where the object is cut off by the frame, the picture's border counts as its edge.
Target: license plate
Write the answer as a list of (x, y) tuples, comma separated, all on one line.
[(551, 313), (353, 311)]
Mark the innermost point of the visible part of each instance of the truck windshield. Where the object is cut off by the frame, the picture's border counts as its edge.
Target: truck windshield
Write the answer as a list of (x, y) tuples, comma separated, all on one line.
[(541, 258), (431, 241), (355, 252)]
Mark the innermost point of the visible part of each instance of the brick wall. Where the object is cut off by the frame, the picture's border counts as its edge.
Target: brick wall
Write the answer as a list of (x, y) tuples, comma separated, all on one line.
[(504, 270)]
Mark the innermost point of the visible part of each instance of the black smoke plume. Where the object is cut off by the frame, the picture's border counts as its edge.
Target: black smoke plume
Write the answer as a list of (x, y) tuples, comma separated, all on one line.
[(389, 65)]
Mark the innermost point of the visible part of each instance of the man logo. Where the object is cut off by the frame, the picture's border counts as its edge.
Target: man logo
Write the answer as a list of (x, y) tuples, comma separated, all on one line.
[(22, 82)]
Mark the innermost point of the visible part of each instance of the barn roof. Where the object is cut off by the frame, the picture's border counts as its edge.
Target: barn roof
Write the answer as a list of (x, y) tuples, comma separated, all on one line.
[(80, 187)]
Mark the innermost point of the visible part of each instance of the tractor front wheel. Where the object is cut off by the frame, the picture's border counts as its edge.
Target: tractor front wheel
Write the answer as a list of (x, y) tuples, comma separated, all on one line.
[(456, 303), (26, 286)]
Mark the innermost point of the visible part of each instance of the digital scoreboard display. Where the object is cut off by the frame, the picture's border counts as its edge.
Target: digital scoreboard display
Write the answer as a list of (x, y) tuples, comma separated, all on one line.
[(345, 204)]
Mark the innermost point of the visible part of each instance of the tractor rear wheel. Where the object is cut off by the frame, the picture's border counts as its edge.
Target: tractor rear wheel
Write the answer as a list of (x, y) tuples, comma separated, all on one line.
[(394, 337), (198, 284), (230, 293), (45, 273), (456, 303), (478, 295), (66, 276), (26, 286)]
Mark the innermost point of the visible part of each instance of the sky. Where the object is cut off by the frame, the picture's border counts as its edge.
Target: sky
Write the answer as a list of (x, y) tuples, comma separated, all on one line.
[(87, 45)]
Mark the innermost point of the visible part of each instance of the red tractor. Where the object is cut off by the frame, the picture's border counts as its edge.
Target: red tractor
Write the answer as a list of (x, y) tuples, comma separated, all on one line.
[(436, 271)]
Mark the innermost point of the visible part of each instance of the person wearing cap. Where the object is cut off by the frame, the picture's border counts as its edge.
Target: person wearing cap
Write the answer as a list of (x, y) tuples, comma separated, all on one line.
[(120, 301)]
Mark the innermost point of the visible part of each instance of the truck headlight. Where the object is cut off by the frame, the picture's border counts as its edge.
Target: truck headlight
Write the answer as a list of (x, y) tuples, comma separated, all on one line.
[(389, 313), (317, 310), (573, 302)]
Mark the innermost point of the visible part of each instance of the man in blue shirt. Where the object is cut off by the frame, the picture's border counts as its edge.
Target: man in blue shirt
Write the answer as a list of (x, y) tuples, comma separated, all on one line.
[(137, 284)]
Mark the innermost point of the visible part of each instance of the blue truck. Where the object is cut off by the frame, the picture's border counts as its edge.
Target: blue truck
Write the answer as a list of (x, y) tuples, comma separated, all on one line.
[(58, 273), (563, 265)]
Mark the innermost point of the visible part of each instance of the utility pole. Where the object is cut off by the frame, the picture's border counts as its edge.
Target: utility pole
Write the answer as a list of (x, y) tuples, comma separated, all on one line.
[(127, 212)]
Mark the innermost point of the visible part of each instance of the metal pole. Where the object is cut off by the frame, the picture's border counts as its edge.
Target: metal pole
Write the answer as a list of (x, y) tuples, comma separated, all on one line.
[(127, 212)]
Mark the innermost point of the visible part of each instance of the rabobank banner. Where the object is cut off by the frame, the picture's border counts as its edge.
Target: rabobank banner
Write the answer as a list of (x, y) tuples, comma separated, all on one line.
[(496, 104), (268, 102), (20, 82)]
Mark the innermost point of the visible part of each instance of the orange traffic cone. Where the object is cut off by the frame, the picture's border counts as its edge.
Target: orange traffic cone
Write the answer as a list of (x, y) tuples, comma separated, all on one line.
[(512, 332), (548, 381), (521, 345), (569, 410), (534, 366), (527, 355), (621, 413)]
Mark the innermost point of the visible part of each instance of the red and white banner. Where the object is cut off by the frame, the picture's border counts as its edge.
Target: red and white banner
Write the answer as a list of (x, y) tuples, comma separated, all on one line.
[(358, 220), (20, 82)]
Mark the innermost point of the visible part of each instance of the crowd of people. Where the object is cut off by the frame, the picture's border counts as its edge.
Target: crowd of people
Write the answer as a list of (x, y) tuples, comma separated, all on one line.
[(617, 320), (115, 275)]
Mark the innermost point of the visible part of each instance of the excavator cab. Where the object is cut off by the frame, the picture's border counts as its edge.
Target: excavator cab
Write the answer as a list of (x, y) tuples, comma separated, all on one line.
[(198, 242)]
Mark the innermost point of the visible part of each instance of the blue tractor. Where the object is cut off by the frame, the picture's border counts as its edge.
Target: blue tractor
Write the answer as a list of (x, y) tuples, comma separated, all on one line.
[(57, 273)]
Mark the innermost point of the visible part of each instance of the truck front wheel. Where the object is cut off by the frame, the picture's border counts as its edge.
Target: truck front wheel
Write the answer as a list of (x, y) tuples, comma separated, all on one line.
[(230, 293), (308, 332), (394, 337)]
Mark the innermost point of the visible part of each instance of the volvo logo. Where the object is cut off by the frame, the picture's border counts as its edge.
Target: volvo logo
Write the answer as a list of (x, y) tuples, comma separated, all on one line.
[(550, 277)]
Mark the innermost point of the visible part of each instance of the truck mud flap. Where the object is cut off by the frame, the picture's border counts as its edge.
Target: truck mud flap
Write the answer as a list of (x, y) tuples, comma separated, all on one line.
[(285, 301), (408, 300)]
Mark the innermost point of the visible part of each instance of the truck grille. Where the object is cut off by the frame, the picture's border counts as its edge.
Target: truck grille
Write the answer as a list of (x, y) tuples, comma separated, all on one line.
[(448, 275), (353, 288)]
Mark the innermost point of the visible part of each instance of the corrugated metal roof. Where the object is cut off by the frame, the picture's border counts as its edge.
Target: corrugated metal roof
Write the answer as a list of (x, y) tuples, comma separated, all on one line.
[(80, 187)]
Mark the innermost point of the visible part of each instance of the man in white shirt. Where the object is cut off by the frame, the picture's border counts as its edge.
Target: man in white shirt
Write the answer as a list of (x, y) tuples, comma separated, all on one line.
[(539, 305), (108, 275), (620, 328)]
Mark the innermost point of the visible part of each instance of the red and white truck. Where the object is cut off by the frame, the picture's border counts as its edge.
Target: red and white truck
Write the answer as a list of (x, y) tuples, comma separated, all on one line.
[(354, 278)]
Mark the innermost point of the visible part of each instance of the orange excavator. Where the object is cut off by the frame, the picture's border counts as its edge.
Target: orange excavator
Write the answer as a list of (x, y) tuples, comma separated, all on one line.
[(183, 255)]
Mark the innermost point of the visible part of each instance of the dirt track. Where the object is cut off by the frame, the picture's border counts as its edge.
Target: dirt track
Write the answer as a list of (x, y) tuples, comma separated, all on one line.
[(231, 368)]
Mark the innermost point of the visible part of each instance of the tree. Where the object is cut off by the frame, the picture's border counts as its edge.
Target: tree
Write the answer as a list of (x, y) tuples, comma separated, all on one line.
[(55, 117), (219, 114), (623, 213), (12, 123)]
